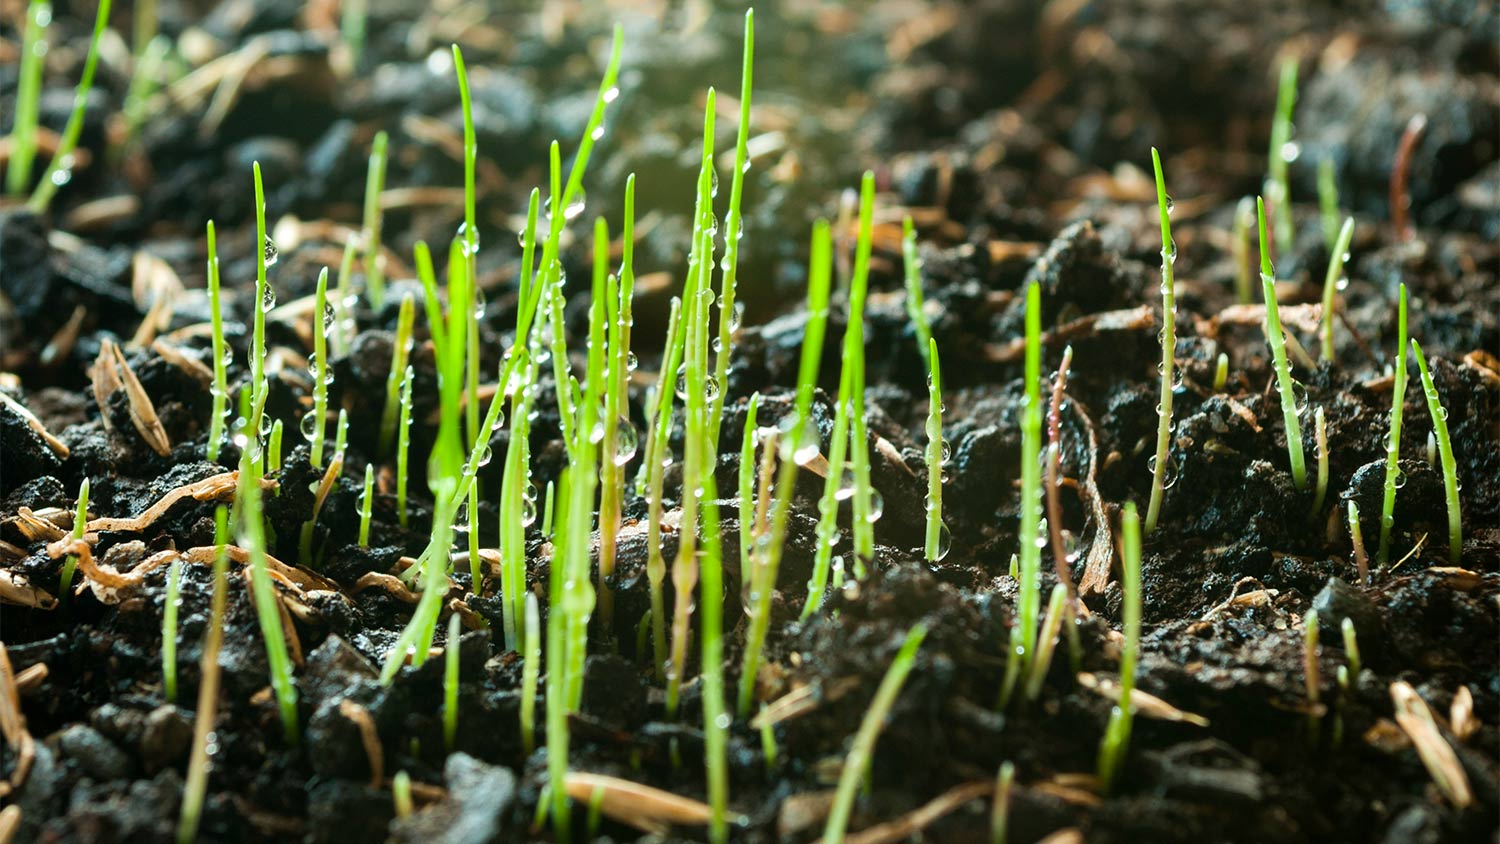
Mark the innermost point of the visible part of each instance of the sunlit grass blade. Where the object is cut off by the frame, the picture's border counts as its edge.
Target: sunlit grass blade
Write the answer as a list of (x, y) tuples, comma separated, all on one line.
[(370, 232), (1439, 415), (60, 171), (1160, 463), (1277, 340), (1394, 478), (1337, 257), (23, 132), (729, 313)]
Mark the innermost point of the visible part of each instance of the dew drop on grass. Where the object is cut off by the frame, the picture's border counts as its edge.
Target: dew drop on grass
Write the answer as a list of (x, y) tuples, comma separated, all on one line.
[(265, 424), (1171, 204), (596, 434), (268, 299), (598, 132), (846, 486), (711, 388), (1400, 478), (612, 94), (486, 454), (626, 442), (528, 512), (1290, 151), (877, 506), (271, 253), (682, 382), (328, 316), (308, 426), (944, 543), (631, 362), (947, 452), (469, 240)]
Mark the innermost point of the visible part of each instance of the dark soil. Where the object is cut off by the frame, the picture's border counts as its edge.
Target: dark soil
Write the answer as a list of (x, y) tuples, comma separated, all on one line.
[(1018, 134)]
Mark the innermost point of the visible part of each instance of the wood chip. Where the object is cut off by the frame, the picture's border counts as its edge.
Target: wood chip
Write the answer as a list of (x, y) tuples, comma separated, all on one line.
[(912, 823), (35, 424), (16, 589), (1145, 704), (1415, 717), (1461, 715), (368, 736), (648, 809)]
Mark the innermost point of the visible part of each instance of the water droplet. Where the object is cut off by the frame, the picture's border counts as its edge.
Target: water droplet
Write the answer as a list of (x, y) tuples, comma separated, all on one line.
[(612, 94), (1171, 204), (877, 506), (328, 316), (1290, 150), (631, 362), (737, 316), (228, 357), (1442, 413), (626, 442), (847, 484), (486, 454), (499, 421), (947, 452), (440, 62), (944, 543), (598, 132), (714, 183), (309, 426), (711, 388), (270, 252), (596, 434), (1400, 478), (1342, 283), (468, 239), (576, 206), (268, 298), (265, 424), (682, 382)]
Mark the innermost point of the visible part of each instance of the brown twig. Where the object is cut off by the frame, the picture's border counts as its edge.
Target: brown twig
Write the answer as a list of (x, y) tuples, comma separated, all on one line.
[(1400, 197), (1054, 466)]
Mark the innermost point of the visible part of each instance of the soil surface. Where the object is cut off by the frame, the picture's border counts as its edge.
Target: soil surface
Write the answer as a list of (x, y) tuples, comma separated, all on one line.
[(1018, 136)]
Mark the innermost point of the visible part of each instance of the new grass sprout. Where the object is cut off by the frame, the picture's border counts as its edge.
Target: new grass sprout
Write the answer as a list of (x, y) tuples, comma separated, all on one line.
[(797, 448), (1282, 152), (1328, 203), (370, 232), (936, 539), (1277, 339), (169, 631), (315, 423), (1451, 485), (1117, 735), (80, 523), (221, 353), (60, 170), (1159, 463), (23, 132), (1310, 673), (1351, 646), (1333, 281), (911, 264), (862, 750), (1023, 635), (1394, 477), (366, 505), (1357, 543)]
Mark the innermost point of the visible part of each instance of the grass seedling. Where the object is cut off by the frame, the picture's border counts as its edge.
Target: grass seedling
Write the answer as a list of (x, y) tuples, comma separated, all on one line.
[(267, 602), (1023, 635), (370, 232), (517, 508), (401, 802), (1005, 780), (1310, 672), (208, 687), (716, 718), (400, 354), (1357, 540), (1221, 372), (1277, 339), (1394, 478), (353, 18), (403, 445), (531, 667), (655, 468), (1057, 615), (911, 264), (341, 431), (273, 453), (1281, 153), (322, 373), (432, 563), (169, 631), (1053, 481), (468, 238), (848, 429), (366, 505), (60, 170), (797, 448), (734, 224), (450, 682), (1320, 437), (862, 750), (620, 442), (1337, 257), (867, 503), (1351, 646), (549, 498), (1439, 415), (1117, 735), (28, 97), (746, 480), (80, 522), (935, 542), (1244, 220), (1328, 203), (221, 353), (330, 477), (265, 299), (1159, 463), (768, 748)]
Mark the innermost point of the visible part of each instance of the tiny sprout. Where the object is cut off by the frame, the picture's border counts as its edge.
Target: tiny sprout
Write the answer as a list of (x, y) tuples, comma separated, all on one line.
[(1310, 670), (366, 505), (1277, 339), (1393, 437), (1351, 646), (1221, 372), (1439, 415), (1356, 536), (1168, 347)]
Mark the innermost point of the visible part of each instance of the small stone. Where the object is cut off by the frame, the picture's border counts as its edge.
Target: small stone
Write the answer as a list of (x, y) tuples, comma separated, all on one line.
[(1338, 601), (95, 754), (167, 737)]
